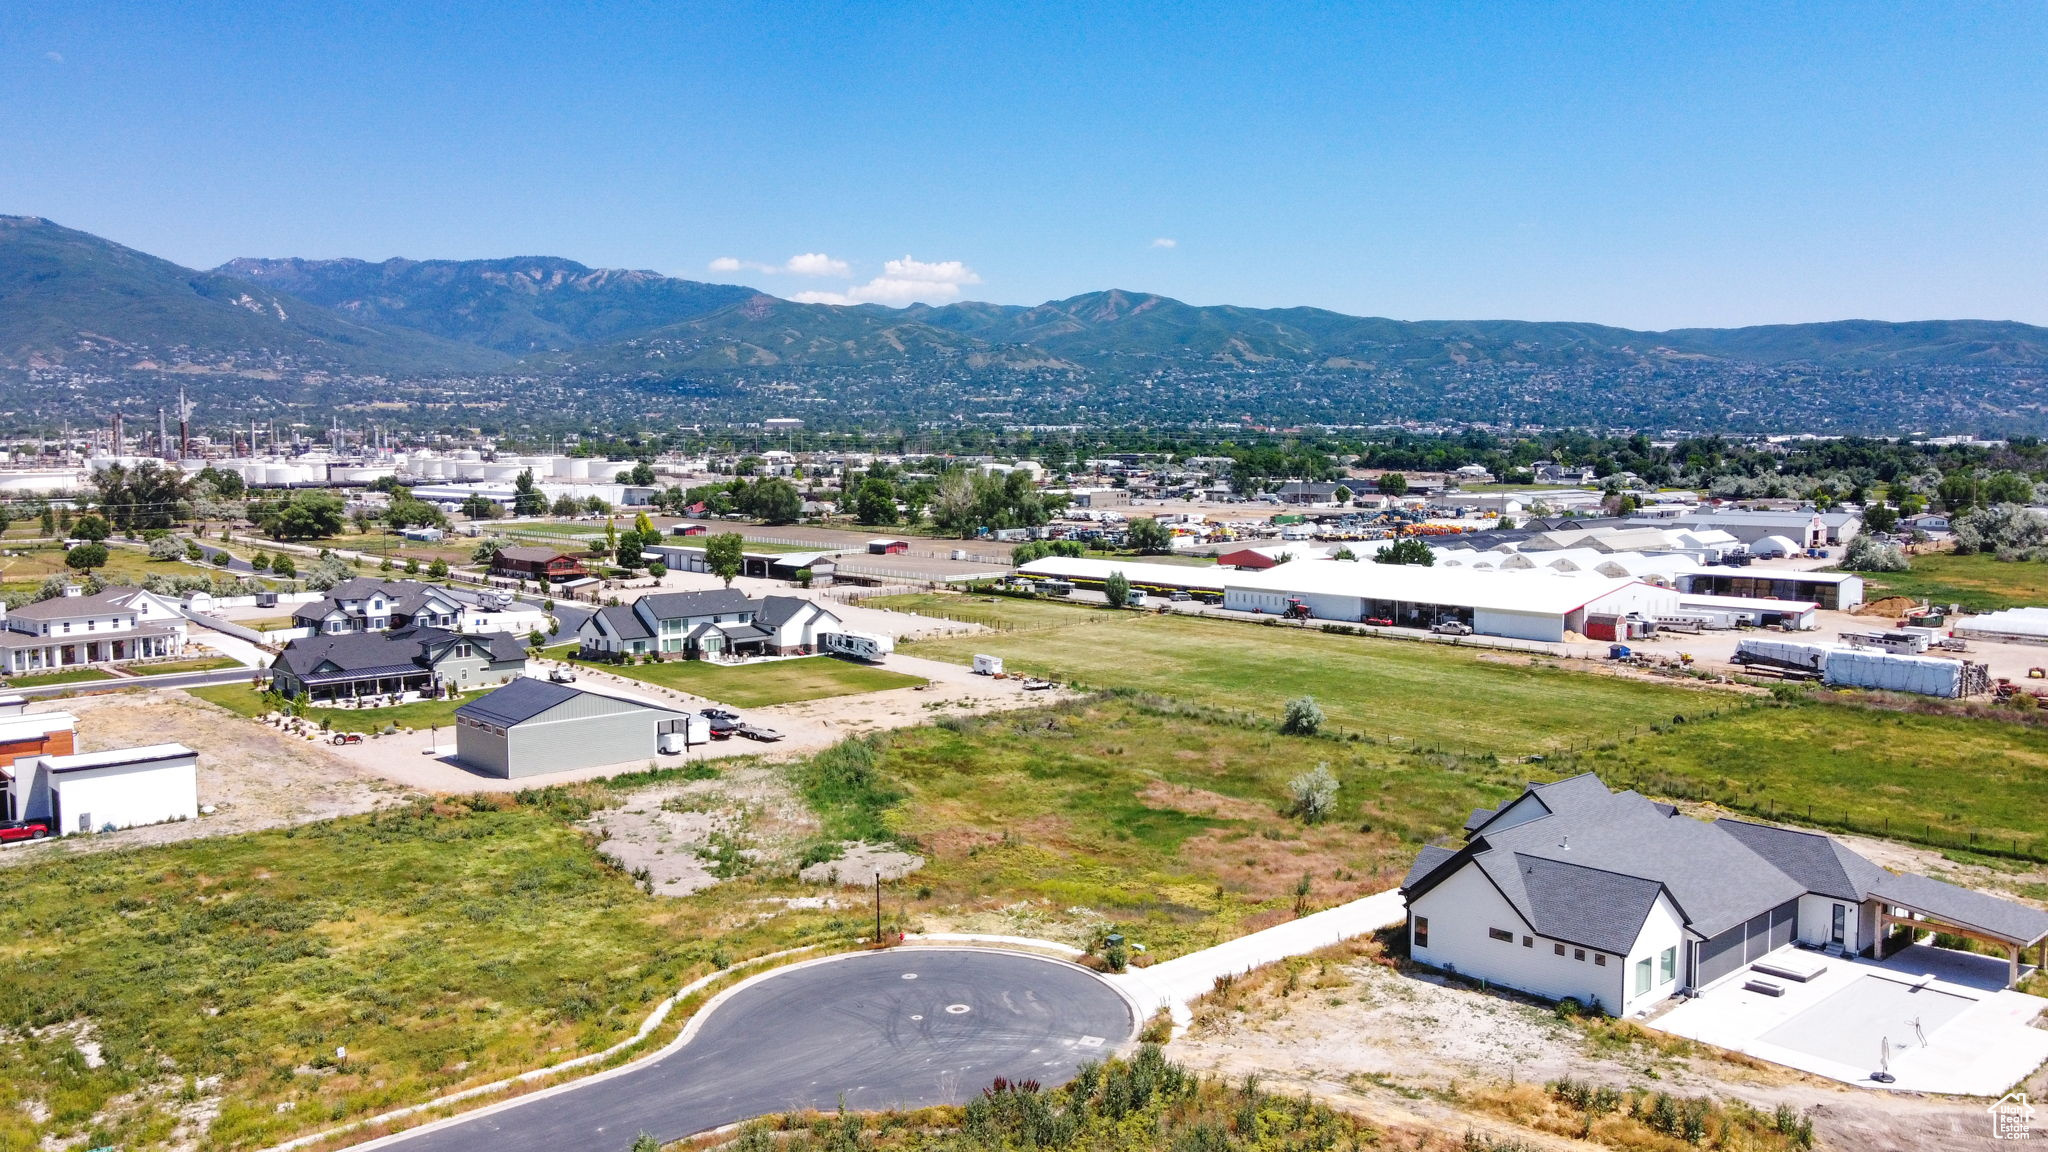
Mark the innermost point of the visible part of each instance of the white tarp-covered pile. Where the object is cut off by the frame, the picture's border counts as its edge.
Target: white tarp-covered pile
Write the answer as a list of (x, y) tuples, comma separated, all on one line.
[(1850, 667), (2017, 625)]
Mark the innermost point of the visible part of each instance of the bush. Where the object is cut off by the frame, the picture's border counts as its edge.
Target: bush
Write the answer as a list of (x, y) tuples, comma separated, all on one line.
[(165, 548), (1304, 717), (1867, 553), (1314, 793)]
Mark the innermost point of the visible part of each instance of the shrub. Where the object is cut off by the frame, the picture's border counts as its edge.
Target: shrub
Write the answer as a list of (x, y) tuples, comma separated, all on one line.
[(1869, 554), (1314, 793), (1304, 717)]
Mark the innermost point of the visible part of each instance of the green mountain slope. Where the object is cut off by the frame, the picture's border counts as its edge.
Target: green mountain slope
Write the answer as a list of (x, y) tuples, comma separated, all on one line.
[(519, 305), (72, 298)]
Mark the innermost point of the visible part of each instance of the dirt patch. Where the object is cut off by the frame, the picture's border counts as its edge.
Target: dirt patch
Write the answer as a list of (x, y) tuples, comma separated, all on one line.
[(1200, 802), (682, 838), (1405, 1047), (861, 863), (252, 776)]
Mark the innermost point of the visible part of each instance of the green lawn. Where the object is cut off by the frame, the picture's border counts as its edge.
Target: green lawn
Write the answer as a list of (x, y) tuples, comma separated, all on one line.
[(68, 676), (1395, 690), (1979, 583), (246, 701), (175, 667), (775, 682)]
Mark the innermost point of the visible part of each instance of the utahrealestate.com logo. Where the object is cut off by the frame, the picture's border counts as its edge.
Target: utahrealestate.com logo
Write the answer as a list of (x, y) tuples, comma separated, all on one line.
[(2012, 1118)]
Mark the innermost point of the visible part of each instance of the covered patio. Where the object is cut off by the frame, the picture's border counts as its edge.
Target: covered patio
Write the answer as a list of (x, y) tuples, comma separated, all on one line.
[(1909, 905)]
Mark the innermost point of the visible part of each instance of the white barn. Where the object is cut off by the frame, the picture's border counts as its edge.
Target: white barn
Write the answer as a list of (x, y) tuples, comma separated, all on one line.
[(1537, 604)]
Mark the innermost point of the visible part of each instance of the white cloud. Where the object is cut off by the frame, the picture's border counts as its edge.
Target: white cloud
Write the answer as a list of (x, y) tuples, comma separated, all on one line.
[(725, 264), (817, 264), (904, 281), (1166, 242), (54, 57)]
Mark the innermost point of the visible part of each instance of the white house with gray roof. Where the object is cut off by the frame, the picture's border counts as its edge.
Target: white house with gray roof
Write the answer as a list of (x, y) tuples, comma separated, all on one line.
[(1611, 899), (112, 626), (706, 625)]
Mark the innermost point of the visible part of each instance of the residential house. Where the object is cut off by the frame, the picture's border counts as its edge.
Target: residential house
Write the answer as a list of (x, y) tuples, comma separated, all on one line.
[(111, 626), (1573, 891), (426, 661), (541, 565), (706, 625), (369, 605)]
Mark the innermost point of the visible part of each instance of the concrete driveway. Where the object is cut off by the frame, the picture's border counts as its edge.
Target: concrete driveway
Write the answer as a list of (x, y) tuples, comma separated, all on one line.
[(907, 1028)]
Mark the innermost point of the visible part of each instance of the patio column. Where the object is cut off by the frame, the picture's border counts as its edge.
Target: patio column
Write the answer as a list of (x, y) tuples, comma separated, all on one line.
[(2012, 953)]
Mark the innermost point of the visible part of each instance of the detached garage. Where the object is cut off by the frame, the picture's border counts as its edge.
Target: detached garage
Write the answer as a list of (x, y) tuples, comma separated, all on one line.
[(533, 727), (96, 791)]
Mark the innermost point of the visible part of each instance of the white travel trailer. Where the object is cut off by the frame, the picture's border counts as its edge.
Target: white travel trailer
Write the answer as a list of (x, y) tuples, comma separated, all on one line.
[(857, 645)]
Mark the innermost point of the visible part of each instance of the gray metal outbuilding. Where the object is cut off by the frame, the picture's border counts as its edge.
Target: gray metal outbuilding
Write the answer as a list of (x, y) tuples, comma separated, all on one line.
[(533, 727)]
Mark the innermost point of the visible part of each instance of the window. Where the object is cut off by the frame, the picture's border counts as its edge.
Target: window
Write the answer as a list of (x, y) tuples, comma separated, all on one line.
[(1642, 975), (1528, 942), (1579, 954), (1501, 934), (1667, 966), (1559, 948), (1600, 959), (1422, 931)]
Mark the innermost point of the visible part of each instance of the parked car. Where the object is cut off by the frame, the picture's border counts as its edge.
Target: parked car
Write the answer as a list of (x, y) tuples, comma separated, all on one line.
[(1452, 628), (1379, 622), (12, 830), (764, 735), (561, 676), (722, 728), (1179, 596), (718, 713)]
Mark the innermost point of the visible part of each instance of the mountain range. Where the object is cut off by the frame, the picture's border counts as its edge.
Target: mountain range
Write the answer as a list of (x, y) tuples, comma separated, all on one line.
[(72, 301)]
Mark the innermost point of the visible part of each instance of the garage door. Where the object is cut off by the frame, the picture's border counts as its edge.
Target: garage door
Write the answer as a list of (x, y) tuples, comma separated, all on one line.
[(1745, 943)]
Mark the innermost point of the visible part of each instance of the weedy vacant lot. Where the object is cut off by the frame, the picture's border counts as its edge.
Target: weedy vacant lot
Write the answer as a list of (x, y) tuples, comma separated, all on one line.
[(198, 992), (1979, 583), (1434, 695)]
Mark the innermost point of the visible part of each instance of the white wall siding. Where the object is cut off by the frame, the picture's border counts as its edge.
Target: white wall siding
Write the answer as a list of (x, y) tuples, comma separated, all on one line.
[(1662, 931), (1518, 625), (127, 795), (1816, 921), (1461, 910)]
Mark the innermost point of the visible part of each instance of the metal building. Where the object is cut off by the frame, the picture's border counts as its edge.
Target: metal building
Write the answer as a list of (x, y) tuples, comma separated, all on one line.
[(533, 727)]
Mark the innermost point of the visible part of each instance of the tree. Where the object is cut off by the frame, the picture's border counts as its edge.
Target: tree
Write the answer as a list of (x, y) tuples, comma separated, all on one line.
[(657, 569), (1393, 484), (406, 512), (874, 502), (526, 498), (777, 501), (596, 505), (2006, 531), (952, 507), (1407, 550), (478, 506), (2008, 488), (1343, 552), (1303, 717), (332, 570), (1957, 492), (86, 557), (283, 566), (301, 516), (438, 569), (1146, 534), (412, 566), (566, 506), (1505, 523), (1342, 495), (223, 558), (1866, 553), (49, 521), (91, 527), (1117, 587), (486, 553), (723, 554), (193, 551), (166, 548), (1314, 793), (260, 562), (1879, 518)]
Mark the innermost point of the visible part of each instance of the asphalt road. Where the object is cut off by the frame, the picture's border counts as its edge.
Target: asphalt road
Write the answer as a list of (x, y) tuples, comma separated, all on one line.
[(140, 683), (906, 1028)]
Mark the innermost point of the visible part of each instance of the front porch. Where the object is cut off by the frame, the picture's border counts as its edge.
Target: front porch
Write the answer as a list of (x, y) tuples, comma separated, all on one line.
[(21, 654), (372, 690)]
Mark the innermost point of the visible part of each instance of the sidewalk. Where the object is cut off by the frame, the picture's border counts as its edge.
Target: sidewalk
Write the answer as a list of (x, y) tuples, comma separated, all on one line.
[(1176, 984)]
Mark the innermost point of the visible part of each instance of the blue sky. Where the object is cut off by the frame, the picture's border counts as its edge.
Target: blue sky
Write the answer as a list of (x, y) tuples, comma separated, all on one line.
[(1649, 165)]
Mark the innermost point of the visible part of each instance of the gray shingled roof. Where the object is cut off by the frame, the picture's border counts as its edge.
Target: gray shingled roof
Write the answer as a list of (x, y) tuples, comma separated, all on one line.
[(1819, 862), (624, 622), (1602, 910), (682, 605), (2006, 919), (1426, 861), (775, 610), (66, 607)]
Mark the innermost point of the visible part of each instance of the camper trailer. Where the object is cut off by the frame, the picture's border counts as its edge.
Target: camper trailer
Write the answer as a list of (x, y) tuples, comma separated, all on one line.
[(857, 645)]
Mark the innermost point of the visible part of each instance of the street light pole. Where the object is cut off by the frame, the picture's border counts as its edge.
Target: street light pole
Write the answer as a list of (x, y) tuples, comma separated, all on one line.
[(878, 909)]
